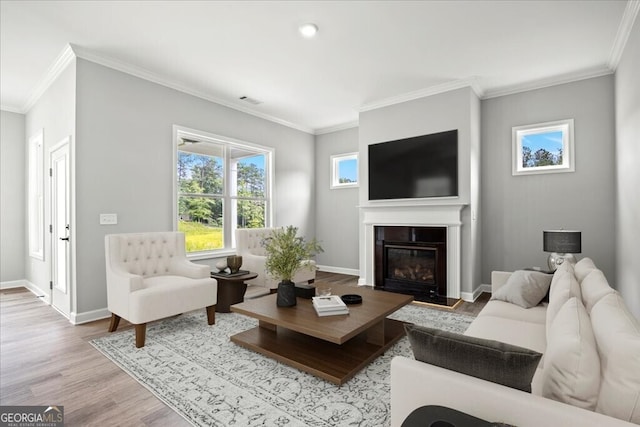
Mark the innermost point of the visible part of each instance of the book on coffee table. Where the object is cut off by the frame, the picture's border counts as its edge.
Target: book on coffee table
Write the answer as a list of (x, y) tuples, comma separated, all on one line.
[(331, 305)]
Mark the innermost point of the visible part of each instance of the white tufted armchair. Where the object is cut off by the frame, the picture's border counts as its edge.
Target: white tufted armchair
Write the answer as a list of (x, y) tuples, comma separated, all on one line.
[(249, 246), (150, 278)]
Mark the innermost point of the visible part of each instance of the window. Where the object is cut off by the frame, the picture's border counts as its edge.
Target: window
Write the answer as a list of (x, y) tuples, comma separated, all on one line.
[(36, 195), (344, 170), (543, 148), (221, 184)]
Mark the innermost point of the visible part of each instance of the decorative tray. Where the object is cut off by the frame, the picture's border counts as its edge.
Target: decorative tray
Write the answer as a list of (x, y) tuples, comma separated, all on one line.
[(352, 299)]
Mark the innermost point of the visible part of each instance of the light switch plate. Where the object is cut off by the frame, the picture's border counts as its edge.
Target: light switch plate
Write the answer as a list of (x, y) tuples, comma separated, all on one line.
[(108, 219)]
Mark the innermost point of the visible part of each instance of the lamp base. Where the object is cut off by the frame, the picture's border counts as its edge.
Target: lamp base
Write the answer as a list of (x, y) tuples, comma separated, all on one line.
[(555, 260)]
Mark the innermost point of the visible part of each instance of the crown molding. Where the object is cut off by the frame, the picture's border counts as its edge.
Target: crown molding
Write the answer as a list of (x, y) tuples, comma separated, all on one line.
[(11, 109), (172, 84), (338, 127), (59, 65), (624, 31), (422, 93), (548, 82)]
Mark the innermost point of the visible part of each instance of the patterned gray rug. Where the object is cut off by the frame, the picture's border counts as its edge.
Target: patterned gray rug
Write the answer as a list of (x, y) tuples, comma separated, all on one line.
[(196, 370)]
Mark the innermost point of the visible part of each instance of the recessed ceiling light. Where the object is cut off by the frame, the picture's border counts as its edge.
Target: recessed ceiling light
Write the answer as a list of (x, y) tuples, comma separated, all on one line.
[(308, 30)]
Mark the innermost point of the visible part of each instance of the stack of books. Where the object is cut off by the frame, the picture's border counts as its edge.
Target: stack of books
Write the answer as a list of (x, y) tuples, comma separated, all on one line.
[(331, 305)]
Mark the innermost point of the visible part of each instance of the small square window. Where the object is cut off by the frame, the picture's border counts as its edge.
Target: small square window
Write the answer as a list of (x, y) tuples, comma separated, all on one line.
[(543, 148), (344, 170)]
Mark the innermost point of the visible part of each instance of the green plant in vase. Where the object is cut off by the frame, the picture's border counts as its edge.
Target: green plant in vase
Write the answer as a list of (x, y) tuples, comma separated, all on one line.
[(286, 253)]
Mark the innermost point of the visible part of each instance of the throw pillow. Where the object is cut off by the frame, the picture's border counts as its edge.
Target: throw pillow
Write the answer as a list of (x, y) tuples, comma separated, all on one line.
[(583, 268), (571, 362), (564, 285), (489, 360), (617, 333), (524, 288), (593, 288)]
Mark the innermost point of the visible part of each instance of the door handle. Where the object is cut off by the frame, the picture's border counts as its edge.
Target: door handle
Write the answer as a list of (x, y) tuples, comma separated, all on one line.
[(66, 239)]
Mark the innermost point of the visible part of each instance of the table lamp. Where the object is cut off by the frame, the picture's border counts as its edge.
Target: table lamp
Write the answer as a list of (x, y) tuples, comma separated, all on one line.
[(562, 244)]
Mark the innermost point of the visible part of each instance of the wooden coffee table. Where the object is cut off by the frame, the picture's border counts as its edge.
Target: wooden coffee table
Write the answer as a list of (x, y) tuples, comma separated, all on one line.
[(334, 348)]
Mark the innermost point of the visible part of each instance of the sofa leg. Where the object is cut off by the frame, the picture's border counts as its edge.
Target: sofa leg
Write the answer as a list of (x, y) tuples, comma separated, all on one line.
[(141, 331), (115, 321), (211, 314)]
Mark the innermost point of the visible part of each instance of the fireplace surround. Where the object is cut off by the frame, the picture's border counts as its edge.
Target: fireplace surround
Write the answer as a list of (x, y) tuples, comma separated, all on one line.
[(444, 216)]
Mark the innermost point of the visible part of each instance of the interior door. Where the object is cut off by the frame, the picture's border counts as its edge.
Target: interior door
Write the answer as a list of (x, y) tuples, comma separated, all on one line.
[(60, 227)]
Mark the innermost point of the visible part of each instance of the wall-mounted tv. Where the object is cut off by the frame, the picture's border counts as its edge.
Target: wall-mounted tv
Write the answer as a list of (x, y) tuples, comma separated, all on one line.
[(418, 167)]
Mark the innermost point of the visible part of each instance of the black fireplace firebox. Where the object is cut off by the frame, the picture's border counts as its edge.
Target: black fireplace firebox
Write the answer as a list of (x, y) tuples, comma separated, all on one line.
[(412, 260)]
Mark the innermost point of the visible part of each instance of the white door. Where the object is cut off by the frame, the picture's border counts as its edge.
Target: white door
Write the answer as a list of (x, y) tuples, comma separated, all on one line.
[(60, 227)]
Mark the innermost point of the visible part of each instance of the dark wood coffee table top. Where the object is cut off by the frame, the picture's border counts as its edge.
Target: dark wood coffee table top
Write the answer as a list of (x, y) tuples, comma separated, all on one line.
[(376, 305)]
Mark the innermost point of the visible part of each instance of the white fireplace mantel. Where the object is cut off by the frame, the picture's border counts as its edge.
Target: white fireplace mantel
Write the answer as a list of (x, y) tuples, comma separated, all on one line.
[(419, 215)]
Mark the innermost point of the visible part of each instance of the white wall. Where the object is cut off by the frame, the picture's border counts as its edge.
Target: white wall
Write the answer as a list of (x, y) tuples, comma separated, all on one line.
[(336, 210), (12, 196), (125, 159), (627, 104), (55, 113), (516, 209), (456, 109)]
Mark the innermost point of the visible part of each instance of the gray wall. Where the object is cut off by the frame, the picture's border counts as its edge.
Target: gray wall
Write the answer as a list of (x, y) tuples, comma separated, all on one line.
[(13, 166), (55, 113), (627, 95), (336, 210), (517, 208), (456, 109), (125, 158)]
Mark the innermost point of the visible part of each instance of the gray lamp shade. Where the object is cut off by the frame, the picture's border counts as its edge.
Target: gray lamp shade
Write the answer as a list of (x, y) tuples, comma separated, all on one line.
[(562, 241)]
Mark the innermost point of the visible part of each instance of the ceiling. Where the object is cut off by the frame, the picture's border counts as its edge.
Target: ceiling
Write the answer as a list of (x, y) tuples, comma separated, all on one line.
[(366, 53)]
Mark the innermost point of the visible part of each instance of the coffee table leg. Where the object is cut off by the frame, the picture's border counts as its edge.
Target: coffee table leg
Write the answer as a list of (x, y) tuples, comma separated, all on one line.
[(267, 325), (375, 334)]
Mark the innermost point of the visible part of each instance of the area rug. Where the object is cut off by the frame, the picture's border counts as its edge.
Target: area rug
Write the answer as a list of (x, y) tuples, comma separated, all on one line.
[(196, 370)]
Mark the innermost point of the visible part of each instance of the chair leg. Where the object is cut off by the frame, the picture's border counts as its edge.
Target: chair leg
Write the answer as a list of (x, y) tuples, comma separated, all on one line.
[(141, 330), (211, 314), (115, 321)]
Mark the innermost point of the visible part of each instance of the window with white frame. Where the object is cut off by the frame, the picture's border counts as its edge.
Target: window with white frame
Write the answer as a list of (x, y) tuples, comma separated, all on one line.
[(221, 184), (543, 148), (344, 170), (36, 195)]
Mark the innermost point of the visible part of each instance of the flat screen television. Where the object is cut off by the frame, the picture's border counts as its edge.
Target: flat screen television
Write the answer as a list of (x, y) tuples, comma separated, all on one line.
[(418, 167)]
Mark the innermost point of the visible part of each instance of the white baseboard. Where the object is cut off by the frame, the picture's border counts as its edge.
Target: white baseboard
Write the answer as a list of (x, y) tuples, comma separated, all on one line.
[(13, 284), (472, 296), (339, 270), (74, 318), (89, 316), (23, 283)]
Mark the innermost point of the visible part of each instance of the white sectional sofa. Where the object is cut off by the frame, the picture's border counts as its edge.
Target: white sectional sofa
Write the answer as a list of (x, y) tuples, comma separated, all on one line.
[(589, 374)]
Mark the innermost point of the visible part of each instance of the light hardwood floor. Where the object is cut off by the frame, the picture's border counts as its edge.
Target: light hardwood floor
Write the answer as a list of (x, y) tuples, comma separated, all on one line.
[(45, 360)]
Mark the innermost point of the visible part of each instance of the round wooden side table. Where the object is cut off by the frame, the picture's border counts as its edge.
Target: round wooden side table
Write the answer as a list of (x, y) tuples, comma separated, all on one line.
[(231, 289)]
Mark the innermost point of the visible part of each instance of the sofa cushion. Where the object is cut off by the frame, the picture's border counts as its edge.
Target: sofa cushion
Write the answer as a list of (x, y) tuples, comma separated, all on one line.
[(583, 268), (524, 288), (157, 298), (490, 360), (571, 362), (515, 332), (507, 310), (593, 287), (617, 333), (564, 285)]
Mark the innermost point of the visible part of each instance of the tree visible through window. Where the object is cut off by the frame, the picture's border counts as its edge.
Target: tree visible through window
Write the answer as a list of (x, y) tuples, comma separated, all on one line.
[(543, 148), (221, 185)]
